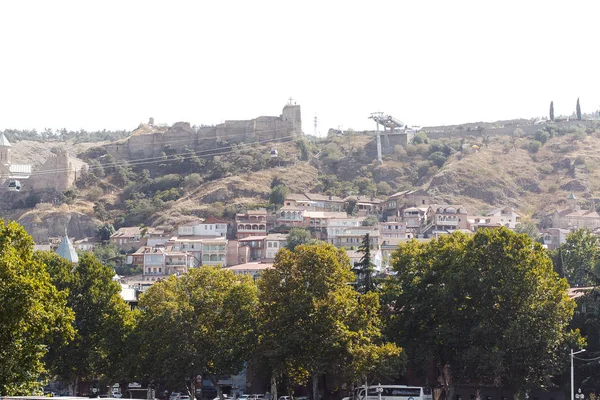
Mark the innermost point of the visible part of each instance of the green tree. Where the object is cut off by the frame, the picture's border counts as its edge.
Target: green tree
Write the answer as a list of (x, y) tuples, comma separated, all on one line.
[(551, 111), (313, 322), (364, 269), (103, 320), (487, 307), (33, 313), (298, 236), (370, 220), (529, 228), (535, 146), (578, 259), (578, 110), (278, 194), (104, 231), (200, 323)]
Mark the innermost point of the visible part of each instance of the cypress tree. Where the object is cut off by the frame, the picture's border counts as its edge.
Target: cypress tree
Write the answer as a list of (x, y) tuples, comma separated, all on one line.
[(551, 111), (364, 269), (578, 110)]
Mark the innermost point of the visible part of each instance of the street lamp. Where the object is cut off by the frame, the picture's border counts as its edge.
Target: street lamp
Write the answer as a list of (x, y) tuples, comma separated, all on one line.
[(572, 373)]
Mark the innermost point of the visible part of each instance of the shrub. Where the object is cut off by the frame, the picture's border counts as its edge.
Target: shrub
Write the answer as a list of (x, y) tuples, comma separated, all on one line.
[(542, 136), (94, 194), (193, 180), (384, 188), (580, 160), (535, 146), (438, 158), (552, 188)]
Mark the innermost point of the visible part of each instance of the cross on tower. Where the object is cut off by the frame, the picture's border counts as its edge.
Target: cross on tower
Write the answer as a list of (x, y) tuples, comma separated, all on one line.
[(290, 99)]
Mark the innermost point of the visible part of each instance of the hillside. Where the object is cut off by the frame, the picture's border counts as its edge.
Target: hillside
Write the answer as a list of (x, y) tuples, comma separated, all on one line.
[(480, 167)]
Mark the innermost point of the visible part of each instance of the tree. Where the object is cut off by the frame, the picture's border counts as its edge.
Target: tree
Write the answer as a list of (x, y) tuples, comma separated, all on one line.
[(486, 307), (578, 259), (104, 231), (103, 320), (33, 313), (200, 323), (278, 194), (552, 111), (313, 322), (370, 220), (529, 228), (298, 236), (578, 110), (365, 268)]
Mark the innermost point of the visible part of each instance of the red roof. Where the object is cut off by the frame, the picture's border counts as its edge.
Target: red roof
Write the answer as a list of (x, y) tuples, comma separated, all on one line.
[(213, 220)]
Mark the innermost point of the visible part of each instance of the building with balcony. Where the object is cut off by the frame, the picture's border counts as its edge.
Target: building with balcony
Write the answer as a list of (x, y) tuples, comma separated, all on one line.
[(211, 226), (292, 216), (214, 251), (162, 262), (337, 226), (443, 219), (255, 245), (394, 229), (251, 223), (506, 216), (252, 269), (397, 202)]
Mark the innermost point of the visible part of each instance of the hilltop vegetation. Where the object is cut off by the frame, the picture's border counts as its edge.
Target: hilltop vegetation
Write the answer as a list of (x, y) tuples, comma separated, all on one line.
[(533, 168)]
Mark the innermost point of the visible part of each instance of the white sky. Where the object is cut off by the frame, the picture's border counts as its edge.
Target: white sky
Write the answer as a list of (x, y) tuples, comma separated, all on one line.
[(112, 64)]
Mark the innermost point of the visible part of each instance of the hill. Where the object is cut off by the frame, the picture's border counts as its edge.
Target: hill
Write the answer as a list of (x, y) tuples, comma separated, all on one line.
[(525, 165)]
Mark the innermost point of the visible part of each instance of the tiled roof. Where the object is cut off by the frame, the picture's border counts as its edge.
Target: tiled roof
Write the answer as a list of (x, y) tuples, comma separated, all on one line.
[(213, 220), (258, 266)]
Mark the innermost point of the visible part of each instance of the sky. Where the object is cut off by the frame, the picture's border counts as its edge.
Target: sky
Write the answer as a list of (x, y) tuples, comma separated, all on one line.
[(112, 64)]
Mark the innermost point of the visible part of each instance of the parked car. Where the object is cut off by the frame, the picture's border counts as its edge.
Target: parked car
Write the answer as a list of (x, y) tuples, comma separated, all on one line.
[(243, 397), (284, 397), (184, 397)]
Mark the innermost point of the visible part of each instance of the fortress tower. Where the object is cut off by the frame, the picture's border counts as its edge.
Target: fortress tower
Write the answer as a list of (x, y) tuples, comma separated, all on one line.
[(4, 156), (292, 115)]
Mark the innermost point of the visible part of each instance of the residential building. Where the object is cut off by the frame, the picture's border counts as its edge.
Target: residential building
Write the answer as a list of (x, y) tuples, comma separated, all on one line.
[(325, 202), (397, 202), (365, 205), (252, 269), (297, 200), (236, 254), (274, 242), (256, 246), (134, 236), (214, 251), (506, 216), (336, 226), (353, 237), (291, 216), (479, 222), (85, 244), (211, 226), (554, 237), (414, 217), (189, 244), (443, 219), (573, 217), (251, 223), (394, 229), (165, 262)]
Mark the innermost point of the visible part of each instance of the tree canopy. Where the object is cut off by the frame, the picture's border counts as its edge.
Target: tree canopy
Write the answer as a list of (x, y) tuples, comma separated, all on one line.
[(102, 322), (578, 259), (313, 322), (202, 323), (33, 313), (486, 307)]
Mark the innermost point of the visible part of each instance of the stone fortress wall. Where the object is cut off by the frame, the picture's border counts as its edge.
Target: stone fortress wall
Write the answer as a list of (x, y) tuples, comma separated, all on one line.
[(59, 172), (149, 140)]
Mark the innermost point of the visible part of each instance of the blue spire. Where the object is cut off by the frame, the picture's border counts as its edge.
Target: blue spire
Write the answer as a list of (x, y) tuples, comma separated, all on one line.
[(67, 251)]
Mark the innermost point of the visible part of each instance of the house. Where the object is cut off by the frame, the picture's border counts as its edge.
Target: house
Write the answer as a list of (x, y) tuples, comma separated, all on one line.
[(404, 199), (325, 202), (414, 217), (297, 200), (162, 262), (394, 229), (336, 226), (211, 226), (214, 251), (274, 242), (554, 237), (9, 170), (134, 237), (292, 216), (190, 244), (443, 219), (251, 223), (353, 237), (86, 244), (506, 216), (252, 269), (479, 222), (365, 205), (573, 217), (256, 246)]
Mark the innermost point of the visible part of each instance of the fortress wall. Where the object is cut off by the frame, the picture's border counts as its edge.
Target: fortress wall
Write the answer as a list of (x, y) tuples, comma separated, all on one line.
[(58, 172)]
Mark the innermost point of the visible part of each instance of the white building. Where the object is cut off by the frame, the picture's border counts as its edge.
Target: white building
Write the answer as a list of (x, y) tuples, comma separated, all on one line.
[(211, 226), (274, 242), (338, 226)]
